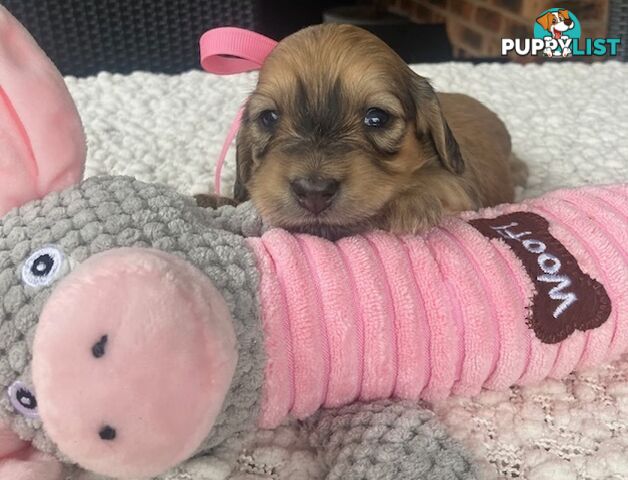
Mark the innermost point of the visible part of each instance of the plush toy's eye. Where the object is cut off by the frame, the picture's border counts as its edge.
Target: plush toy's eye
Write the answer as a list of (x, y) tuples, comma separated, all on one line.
[(269, 118), (23, 399), (42, 267), (375, 118)]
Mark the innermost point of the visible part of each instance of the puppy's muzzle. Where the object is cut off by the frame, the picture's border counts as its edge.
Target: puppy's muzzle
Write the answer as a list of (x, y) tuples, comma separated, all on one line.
[(315, 194)]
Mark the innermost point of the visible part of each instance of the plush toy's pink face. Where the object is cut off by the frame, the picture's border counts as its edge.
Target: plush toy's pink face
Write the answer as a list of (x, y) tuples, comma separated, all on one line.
[(135, 349), (132, 359)]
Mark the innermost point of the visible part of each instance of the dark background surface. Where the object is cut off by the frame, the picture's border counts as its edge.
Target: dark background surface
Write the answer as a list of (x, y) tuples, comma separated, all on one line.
[(84, 37)]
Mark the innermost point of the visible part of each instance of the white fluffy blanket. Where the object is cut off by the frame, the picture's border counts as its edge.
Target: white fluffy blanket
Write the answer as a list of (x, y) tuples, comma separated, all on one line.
[(569, 122)]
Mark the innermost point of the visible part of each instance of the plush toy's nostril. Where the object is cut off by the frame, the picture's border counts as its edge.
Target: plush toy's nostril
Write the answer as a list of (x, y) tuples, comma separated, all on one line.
[(98, 350), (142, 339), (107, 433)]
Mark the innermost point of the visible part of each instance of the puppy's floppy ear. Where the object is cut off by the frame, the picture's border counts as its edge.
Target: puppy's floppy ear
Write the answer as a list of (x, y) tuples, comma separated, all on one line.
[(545, 20), (564, 13), (430, 120), (244, 158), (244, 165)]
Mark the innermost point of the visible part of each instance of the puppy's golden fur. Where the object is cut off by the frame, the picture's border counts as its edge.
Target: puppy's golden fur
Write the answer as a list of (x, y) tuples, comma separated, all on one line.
[(435, 154)]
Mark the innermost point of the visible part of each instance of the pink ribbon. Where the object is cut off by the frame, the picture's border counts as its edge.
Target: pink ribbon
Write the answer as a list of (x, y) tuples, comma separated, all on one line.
[(228, 50)]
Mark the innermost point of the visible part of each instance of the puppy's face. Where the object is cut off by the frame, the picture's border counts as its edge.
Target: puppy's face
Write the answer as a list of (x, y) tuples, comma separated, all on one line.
[(336, 128)]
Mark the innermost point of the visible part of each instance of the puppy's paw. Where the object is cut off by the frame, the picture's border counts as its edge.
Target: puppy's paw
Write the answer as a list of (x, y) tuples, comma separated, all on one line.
[(213, 201), (548, 52), (416, 227), (413, 216), (518, 170), (566, 52)]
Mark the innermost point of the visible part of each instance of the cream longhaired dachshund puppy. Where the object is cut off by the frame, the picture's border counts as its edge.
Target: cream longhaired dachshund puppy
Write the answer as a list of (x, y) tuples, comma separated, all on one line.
[(341, 136)]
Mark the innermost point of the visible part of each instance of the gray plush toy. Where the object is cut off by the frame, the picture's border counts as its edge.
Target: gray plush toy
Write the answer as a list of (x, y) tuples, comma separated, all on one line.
[(61, 236), (131, 343)]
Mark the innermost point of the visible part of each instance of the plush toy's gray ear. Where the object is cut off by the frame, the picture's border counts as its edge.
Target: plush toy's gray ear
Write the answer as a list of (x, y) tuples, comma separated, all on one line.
[(387, 440), (242, 219)]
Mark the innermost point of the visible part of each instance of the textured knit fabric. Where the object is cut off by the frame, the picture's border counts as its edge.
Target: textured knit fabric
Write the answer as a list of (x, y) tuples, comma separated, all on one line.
[(108, 212), (387, 441), (243, 219)]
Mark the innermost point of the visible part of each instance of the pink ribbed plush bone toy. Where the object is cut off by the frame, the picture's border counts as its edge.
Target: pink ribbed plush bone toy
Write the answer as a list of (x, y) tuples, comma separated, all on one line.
[(510, 295), (136, 332)]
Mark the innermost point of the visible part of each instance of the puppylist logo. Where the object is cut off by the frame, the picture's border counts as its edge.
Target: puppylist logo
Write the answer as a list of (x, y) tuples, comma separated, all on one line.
[(557, 33)]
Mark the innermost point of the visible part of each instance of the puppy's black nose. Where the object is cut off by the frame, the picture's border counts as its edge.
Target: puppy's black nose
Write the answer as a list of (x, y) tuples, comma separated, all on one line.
[(314, 193), (568, 21)]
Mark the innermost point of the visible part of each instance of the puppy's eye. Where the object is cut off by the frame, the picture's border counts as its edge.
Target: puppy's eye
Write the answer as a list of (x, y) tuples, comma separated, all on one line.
[(375, 118), (553, 20), (42, 267), (269, 118)]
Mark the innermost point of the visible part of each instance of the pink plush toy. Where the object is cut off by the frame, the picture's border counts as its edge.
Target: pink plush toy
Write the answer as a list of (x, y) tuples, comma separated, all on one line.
[(510, 295), (135, 333)]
